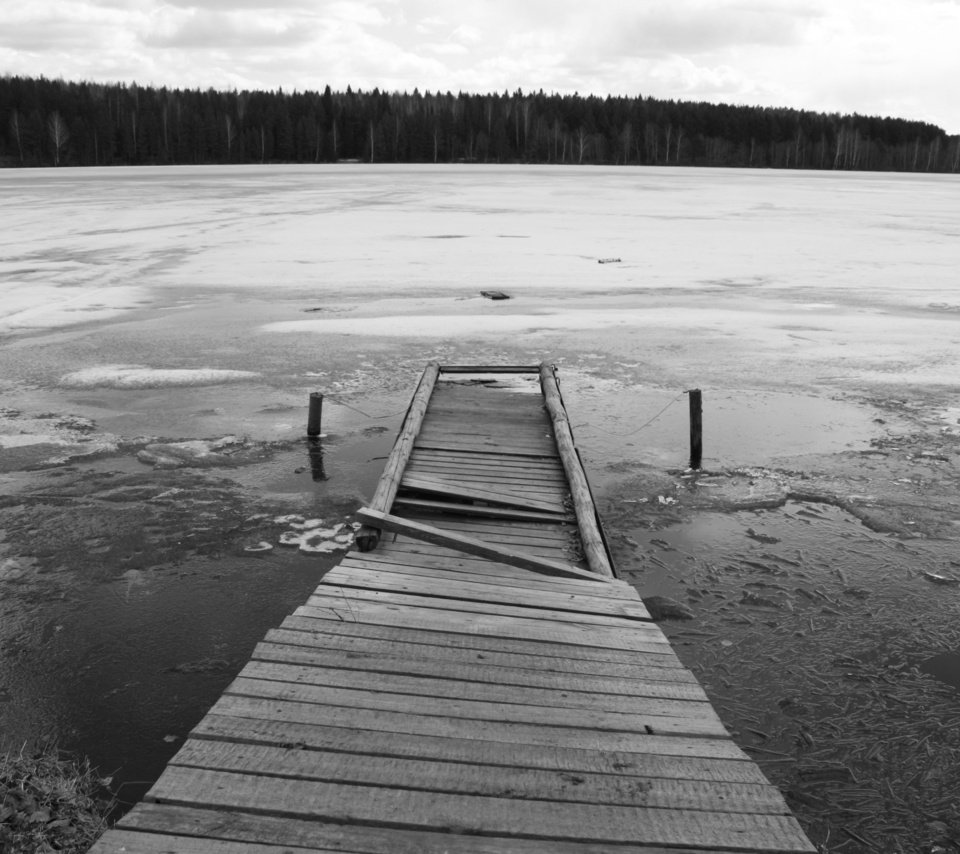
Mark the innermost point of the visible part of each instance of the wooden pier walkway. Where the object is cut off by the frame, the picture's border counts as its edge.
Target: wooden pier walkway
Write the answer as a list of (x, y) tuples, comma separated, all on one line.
[(474, 679)]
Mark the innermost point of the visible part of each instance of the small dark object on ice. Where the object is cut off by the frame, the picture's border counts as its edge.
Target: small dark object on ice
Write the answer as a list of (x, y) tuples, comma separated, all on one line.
[(608, 260), (494, 295), (662, 608)]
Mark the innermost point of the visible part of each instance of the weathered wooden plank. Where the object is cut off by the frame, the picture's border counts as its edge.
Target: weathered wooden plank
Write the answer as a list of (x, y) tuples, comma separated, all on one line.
[(517, 617), (457, 778), (697, 723), (557, 645), (464, 432), (407, 550), (590, 535), (450, 726), (468, 751), (425, 646), (489, 369), (492, 446), (476, 814), (389, 481), (419, 686), (352, 839), (505, 651), (450, 488), (523, 615), (471, 545), (477, 592), (122, 841), (550, 532), (426, 505), (520, 483), (487, 625), (515, 474), (562, 538), (378, 660), (487, 460), (433, 566)]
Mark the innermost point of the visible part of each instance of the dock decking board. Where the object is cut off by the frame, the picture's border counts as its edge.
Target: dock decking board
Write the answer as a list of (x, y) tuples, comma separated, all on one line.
[(474, 682)]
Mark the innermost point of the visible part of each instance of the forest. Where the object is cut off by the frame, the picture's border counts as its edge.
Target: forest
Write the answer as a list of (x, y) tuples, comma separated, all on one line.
[(45, 122)]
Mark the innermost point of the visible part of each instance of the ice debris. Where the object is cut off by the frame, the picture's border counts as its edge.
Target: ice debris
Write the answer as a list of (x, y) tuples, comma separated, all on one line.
[(193, 452), (310, 538)]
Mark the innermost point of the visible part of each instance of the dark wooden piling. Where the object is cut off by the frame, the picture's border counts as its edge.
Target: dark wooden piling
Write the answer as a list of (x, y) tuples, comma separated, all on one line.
[(316, 411), (696, 428)]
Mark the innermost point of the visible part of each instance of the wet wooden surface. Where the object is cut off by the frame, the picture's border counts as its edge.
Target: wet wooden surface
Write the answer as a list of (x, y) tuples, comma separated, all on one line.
[(430, 699)]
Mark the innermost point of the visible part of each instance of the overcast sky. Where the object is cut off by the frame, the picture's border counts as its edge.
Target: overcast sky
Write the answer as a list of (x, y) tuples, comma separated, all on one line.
[(877, 57)]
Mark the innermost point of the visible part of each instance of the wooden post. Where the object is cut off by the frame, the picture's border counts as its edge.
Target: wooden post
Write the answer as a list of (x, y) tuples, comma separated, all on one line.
[(696, 428), (368, 537), (316, 410), (590, 536)]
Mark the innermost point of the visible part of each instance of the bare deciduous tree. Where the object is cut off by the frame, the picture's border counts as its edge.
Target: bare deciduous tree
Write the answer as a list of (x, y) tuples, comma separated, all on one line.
[(17, 132), (59, 135)]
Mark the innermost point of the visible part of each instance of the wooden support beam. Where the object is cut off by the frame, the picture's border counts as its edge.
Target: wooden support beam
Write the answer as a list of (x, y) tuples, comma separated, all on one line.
[(367, 538), (489, 369), (473, 546), (590, 536)]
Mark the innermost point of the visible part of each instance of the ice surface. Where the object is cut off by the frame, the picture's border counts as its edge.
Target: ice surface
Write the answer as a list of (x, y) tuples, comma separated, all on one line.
[(853, 269), (136, 376)]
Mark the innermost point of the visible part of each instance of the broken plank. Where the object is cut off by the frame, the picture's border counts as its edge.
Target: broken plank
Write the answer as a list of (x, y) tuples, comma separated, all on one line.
[(372, 579), (428, 506), (435, 486), (471, 545), (520, 579)]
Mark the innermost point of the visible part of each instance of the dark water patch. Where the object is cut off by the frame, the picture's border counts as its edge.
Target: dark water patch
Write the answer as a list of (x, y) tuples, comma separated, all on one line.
[(945, 666), (816, 639)]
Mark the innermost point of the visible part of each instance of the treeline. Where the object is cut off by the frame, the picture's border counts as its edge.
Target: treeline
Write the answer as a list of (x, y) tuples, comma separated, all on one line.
[(54, 122)]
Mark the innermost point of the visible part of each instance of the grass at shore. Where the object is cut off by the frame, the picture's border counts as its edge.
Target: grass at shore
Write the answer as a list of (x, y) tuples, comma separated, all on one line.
[(49, 803)]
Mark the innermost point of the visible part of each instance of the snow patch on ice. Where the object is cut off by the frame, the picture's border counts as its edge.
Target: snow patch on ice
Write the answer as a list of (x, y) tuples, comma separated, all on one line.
[(137, 376), (310, 538)]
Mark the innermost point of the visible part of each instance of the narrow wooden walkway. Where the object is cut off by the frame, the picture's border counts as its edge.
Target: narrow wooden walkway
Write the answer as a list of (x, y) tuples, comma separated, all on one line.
[(476, 680)]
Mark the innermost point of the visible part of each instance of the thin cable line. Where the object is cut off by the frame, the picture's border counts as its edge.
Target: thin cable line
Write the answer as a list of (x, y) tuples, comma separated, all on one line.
[(642, 426), (361, 412)]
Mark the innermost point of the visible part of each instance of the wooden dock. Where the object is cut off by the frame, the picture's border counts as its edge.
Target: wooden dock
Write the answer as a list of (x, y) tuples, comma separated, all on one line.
[(473, 679)]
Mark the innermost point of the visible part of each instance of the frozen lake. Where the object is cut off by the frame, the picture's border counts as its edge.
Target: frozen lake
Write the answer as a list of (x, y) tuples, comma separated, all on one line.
[(159, 311), (297, 277)]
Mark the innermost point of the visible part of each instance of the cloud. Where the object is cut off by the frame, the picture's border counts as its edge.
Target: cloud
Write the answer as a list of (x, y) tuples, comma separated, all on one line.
[(869, 56)]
